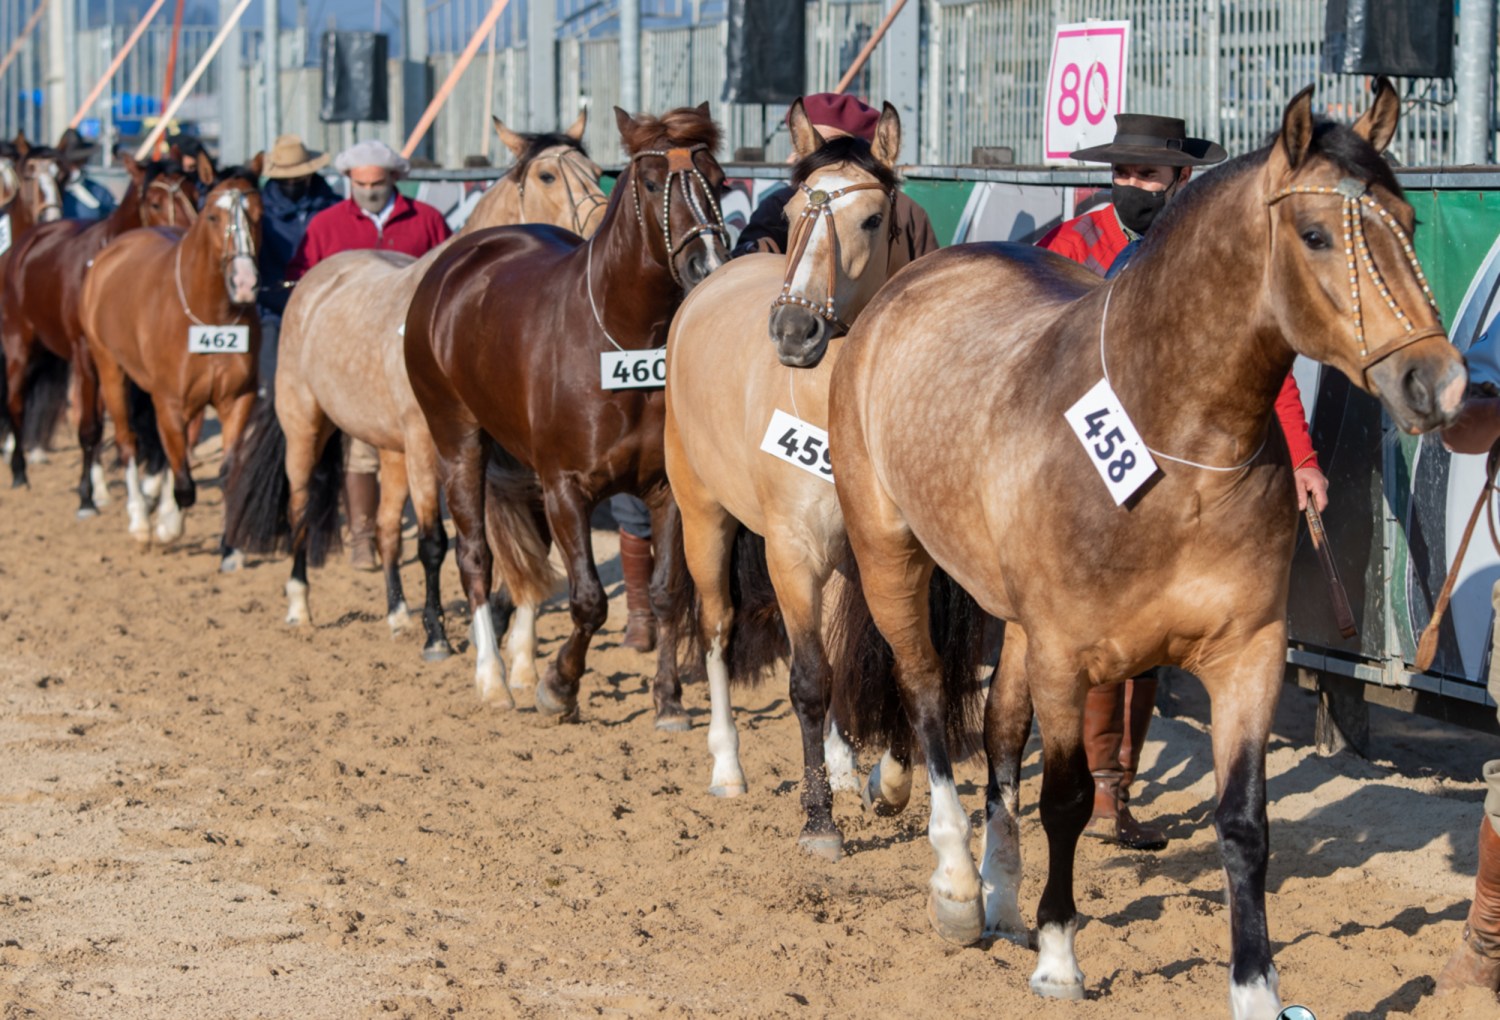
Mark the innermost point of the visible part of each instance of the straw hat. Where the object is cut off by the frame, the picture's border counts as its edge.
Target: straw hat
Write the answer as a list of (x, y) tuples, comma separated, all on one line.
[(290, 158)]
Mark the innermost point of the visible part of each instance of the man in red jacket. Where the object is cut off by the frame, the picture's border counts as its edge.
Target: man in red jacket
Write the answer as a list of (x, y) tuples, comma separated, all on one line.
[(1152, 159), (375, 215)]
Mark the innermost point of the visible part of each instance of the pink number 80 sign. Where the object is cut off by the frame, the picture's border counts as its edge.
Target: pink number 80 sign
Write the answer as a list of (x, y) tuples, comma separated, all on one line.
[(1085, 86)]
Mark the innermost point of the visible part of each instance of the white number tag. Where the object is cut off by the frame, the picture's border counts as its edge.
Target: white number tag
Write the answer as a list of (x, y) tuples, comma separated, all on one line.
[(1113, 444), (4, 233), (218, 339), (633, 370), (796, 442)]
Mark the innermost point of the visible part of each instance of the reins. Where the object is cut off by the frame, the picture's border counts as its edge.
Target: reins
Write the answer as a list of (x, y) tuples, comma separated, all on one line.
[(1427, 646), (1355, 194), (566, 162), (680, 167), (819, 206)]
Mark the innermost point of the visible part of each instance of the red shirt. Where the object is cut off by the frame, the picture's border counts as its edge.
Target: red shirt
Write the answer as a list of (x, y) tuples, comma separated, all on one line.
[(1096, 238), (412, 227)]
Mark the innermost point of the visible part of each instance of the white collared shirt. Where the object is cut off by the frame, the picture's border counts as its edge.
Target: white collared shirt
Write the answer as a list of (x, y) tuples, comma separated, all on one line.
[(382, 215)]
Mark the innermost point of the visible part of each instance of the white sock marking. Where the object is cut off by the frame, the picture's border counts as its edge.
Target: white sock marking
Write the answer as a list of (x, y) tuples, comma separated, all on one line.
[(948, 830), (521, 647), (101, 487), (489, 671), (843, 773), (723, 740), (1259, 999), (296, 603), (1057, 975), (135, 504), (169, 525)]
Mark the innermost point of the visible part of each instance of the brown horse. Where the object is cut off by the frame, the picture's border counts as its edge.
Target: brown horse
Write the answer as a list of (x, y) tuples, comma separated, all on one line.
[(141, 301), (952, 451), (725, 385), (41, 297), (342, 367), (505, 340)]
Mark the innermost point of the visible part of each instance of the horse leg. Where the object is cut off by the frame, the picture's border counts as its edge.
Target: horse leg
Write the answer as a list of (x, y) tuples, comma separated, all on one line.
[(568, 511), (93, 492), (666, 691), (233, 416), (1243, 684), (888, 788), (1007, 725), (432, 540), (181, 494), (464, 462), (112, 385), (799, 592), (393, 491), (17, 363), (306, 432)]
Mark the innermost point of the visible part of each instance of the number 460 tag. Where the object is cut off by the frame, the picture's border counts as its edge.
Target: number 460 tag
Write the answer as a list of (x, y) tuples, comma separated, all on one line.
[(1114, 446)]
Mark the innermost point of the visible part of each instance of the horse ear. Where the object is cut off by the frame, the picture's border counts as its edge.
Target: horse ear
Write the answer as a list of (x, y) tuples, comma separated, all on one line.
[(575, 132), (805, 137), (22, 145), (135, 170), (1378, 124), (703, 108), (625, 122), (887, 147), (514, 142), (258, 164), (1297, 127), (206, 172)]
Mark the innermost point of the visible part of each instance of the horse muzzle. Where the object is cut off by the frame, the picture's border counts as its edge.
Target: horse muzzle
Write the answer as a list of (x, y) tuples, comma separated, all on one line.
[(242, 280), (1421, 386), (698, 260), (801, 336)]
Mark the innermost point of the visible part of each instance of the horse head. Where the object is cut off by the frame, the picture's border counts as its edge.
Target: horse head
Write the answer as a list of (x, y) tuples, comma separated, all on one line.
[(675, 182), (842, 213), (1346, 286), (43, 172), (168, 194), (231, 217), (554, 179)]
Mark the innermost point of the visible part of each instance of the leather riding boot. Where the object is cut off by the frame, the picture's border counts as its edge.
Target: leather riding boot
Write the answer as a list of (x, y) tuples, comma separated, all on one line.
[(636, 562), (1140, 703), (1476, 961), (362, 500), (1103, 730)]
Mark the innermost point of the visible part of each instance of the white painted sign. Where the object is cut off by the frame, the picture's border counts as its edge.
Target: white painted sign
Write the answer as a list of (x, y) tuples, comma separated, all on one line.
[(4, 233), (798, 442), (218, 339), (1114, 446), (633, 370), (1085, 87)]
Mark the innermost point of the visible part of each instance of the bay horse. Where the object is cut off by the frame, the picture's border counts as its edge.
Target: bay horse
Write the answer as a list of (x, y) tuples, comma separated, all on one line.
[(345, 371), (725, 385), (140, 300), (41, 299), (505, 342), (952, 451)]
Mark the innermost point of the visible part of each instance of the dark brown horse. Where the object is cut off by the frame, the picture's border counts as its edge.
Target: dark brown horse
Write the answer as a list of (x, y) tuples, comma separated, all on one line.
[(950, 416), (41, 298), (142, 301), (504, 343)]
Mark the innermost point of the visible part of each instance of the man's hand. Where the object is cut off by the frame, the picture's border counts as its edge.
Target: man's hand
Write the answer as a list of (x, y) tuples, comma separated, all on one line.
[(1309, 481), (1477, 426)]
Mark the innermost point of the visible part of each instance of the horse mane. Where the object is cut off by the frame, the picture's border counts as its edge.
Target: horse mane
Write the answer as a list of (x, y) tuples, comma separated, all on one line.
[(161, 168), (237, 173), (41, 152), (538, 143), (846, 149), (679, 128)]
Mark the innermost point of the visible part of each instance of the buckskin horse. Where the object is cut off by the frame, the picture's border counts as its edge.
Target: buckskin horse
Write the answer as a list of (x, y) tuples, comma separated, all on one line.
[(141, 299), (952, 451), (725, 385), (504, 344), (345, 370), (40, 301)]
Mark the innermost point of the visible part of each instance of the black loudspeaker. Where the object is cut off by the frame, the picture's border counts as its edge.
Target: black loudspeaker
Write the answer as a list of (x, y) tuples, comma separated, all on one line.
[(767, 55), (356, 77), (1401, 38)]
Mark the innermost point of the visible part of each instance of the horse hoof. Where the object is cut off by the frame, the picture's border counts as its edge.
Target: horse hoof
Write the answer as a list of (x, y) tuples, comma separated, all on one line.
[(37, 456), (20, 482), (552, 710), (232, 563), (142, 536), (827, 845), (499, 697), (437, 651), (399, 619), (957, 921), (875, 800), (727, 790), (1016, 933), (1048, 988), (87, 513), (674, 722)]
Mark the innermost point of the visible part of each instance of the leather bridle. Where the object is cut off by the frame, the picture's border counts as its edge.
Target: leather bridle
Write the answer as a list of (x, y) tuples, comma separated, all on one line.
[(681, 167), (819, 206), (572, 171), (174, 192)]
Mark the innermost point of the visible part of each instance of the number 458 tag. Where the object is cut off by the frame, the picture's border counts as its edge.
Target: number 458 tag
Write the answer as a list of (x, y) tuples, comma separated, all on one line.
[(1114, 446)]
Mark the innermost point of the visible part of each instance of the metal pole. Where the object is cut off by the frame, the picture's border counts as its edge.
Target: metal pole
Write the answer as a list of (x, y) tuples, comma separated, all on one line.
[(1476, 49), (271, 57), (15, 47), (864, 54), (415, 90), (430, 114), (104, 80), (541, 66), (489, 92), (630, 56), (192, 79), (59, 41)]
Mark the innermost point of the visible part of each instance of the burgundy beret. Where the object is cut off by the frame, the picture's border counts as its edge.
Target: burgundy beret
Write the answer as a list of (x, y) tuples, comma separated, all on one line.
[(827, 109)]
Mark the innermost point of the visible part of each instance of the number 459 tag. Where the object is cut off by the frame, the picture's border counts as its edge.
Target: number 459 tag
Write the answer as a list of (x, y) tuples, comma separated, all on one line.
[(799, 443), (1114, 446)]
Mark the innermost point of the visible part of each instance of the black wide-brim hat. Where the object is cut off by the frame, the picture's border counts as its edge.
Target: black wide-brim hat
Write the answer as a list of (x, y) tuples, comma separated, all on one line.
[(1157, 141)]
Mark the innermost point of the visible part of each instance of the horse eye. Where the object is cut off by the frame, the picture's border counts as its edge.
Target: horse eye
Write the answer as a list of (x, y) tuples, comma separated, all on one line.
[(1315, 239), (547, 178), (873, 223), (651, 186)]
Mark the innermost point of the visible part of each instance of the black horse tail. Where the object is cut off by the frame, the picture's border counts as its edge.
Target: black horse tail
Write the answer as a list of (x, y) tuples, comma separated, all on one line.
[(150, 454), (517, 529), (46, 398), (866, 700)]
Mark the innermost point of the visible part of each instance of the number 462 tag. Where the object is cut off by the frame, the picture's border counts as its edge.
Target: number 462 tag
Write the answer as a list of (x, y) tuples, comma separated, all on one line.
[(1114, 446)]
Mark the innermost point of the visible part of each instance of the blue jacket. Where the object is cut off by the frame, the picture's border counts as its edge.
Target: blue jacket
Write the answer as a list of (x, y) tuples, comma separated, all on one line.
[(75, 208), (282, 226)]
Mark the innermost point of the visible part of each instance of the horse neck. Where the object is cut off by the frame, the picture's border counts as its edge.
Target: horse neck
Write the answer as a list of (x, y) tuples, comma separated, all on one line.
[(1188, 342), (126, 215), (641, 302), (498, 207)]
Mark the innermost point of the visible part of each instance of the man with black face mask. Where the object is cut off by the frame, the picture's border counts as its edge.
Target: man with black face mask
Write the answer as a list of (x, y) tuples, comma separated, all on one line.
[(293, 194), (1151, 159)]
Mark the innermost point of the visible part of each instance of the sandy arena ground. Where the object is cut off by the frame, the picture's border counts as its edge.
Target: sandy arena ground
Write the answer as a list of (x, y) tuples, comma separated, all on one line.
[(208, 814)]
